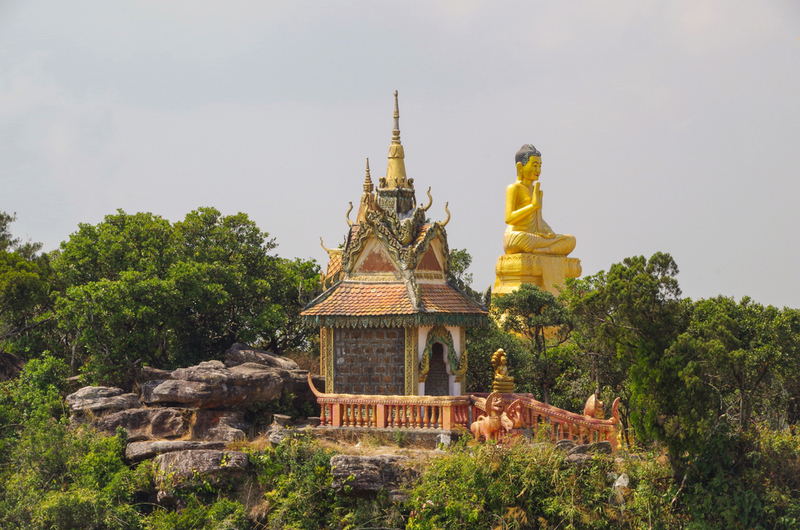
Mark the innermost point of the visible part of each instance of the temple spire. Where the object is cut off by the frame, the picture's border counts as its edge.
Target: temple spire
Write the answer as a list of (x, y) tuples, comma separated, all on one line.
[(368, 181), (396, 170), (396, 130)]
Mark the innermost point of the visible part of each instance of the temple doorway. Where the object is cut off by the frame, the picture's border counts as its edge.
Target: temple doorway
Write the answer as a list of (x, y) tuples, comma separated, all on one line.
[(438, 382)]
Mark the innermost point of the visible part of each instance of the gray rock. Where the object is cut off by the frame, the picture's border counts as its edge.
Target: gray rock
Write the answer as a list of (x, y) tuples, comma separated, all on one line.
[(580, 455), (578, 459), (277, 434), (187, 468), (146, 424), (211, 385), (565, 445), (138, 451), (148, 373), (242, 353), (312, 421), (97, 399), (370, 473), (281, 419), (596, 447), (220, 426), (171, 391)]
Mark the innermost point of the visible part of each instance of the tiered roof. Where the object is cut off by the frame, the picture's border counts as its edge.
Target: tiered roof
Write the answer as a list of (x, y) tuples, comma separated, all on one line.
[(393, 269)]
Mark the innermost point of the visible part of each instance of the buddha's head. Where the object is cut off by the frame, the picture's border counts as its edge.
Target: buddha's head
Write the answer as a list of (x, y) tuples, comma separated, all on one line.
[(529, 163)]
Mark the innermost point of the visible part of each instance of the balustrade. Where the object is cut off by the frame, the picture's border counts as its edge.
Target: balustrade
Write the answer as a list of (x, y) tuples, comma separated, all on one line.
[(445, 412)]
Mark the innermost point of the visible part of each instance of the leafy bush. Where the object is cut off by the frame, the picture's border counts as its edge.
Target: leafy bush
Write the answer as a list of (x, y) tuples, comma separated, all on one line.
[(746, 480), (221, 514), (296, 477), (529, 485)]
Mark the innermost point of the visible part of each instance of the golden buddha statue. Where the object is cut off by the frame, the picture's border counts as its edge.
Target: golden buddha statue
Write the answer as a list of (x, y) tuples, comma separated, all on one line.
[(527, 231), (503, 383), (533, 252)]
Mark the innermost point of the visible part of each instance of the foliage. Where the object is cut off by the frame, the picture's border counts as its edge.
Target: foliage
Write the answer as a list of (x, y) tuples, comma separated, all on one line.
[(534, 314), (26, 281), (222, 513), (143, 291), (741, 347), (746, 480), (481, 344), (530, 486), (457, 275), (635, 311), (296, 476)]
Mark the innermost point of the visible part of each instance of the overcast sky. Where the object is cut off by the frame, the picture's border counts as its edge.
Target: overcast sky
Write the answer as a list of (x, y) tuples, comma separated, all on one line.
[(664, 126)]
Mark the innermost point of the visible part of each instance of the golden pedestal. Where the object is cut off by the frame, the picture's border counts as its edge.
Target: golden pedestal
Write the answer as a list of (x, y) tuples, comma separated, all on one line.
[(541, 270), (504, 387)]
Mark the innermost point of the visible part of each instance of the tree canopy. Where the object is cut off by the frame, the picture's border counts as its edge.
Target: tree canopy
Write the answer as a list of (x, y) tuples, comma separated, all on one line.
[(136, 289)]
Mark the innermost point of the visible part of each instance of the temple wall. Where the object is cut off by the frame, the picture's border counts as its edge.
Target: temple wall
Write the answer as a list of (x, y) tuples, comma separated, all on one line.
[(369, 361)]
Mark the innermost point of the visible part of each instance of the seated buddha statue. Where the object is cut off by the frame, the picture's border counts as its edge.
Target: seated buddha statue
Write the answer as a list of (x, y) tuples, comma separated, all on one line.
[(502, 381), (527, 232)]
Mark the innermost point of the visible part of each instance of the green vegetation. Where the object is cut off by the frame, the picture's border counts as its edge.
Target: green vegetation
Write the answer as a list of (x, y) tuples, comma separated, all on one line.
[(710, 391), (136, 289)]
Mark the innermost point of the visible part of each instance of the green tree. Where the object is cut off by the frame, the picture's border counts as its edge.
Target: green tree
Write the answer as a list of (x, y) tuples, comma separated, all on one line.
[(636, 311), (741, 345), (26, 281), (140, 290), (457, 275), (534, 314)]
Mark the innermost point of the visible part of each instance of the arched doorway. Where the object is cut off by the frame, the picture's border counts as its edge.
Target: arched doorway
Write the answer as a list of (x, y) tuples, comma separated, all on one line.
[(437, 382)]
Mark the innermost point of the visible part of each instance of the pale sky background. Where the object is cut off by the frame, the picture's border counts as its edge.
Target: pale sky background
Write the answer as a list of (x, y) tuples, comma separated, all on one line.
[(664, 126)]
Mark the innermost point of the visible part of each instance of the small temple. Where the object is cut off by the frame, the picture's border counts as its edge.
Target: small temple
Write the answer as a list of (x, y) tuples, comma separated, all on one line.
[(390, 323), (393, 329)]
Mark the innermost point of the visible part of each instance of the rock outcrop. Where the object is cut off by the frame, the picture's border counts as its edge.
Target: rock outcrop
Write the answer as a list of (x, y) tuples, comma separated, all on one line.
[(212, 385), (184, 468), (99, 399), (241, 353), (146, 423), (580, 454), (138, 451), (185, 418), (372, 473)]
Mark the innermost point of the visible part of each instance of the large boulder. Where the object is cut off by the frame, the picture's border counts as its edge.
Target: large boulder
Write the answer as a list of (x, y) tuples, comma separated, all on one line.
[(193, 467), (372, 473), (211, 385), (148, 373), (580, 455), (146, 423), (242, 353), (138, 451), (220, 426), (99, 399)]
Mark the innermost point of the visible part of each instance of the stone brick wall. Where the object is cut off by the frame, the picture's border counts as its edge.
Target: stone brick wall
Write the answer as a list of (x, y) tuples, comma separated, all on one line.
[(369, 361), (438, 382)]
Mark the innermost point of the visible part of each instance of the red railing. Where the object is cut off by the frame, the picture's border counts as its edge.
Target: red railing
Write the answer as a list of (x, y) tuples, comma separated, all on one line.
[(558, 423), (445, 412), (404, 412)]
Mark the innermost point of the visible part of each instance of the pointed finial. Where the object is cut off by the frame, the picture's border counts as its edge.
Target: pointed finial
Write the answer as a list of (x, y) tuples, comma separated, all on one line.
[(368, 187), (396, 130)]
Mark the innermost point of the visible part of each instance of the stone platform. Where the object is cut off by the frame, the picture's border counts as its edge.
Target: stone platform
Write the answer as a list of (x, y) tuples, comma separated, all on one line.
[(541, 270)]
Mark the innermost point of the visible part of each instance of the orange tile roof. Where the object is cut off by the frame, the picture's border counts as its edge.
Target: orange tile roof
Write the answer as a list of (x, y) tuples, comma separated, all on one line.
[(442, 298), (359, 299), (334, 265), (368, 299)]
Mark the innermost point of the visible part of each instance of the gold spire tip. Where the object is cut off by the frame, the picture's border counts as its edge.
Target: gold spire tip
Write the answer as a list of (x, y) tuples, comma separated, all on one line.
[(396, 130), (368, 187)]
